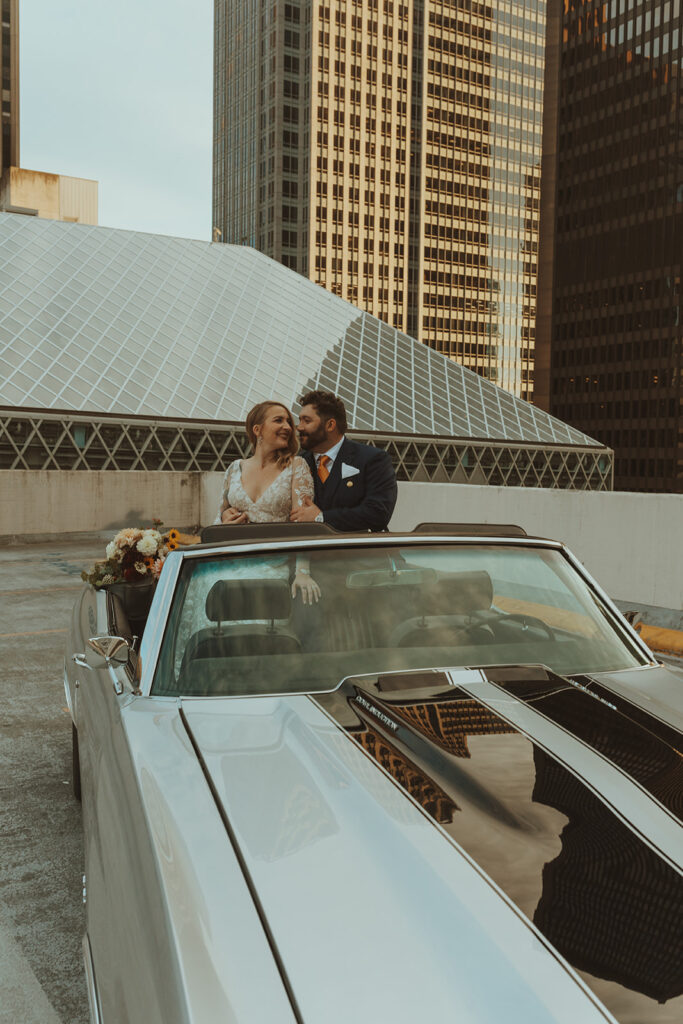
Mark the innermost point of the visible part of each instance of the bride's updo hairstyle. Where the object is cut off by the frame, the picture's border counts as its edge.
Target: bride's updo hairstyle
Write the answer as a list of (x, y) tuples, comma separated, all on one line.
[(256, 417)]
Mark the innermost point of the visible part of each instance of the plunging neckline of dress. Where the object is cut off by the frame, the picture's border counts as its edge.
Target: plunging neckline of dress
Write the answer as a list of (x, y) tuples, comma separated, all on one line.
[(271, 484)]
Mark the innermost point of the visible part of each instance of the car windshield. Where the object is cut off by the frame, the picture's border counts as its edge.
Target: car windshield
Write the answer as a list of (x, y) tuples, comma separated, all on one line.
[(235, 629)]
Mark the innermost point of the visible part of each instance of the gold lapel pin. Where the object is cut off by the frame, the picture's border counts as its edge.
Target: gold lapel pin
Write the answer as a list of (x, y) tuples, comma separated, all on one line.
[(349, 483)]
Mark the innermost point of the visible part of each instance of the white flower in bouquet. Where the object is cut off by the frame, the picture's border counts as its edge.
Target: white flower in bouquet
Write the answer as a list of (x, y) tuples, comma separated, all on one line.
[(112, 550), (141, 567), (148, 543), (107, 578)]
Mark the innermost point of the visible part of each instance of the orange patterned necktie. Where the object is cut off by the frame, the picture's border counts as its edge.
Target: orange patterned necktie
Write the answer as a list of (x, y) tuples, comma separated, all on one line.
[(323, 471)]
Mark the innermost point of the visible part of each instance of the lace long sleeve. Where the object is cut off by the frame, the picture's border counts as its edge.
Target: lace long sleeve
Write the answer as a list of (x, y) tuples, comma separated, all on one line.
[(302, 482), (302, 488), (225, 503)]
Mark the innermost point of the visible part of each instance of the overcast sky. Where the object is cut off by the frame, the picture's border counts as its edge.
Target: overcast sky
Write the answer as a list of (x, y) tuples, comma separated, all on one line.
[(122, 92)]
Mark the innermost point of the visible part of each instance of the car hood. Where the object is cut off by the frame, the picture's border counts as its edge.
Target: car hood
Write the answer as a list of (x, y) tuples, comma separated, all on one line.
[(411, 837), (375, 910)]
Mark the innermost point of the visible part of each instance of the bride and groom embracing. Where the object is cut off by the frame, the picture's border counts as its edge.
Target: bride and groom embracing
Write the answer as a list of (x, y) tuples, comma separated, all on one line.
[(349, 485)]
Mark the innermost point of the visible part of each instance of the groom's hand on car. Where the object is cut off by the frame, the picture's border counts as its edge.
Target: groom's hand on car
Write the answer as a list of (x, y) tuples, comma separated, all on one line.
[(306, 513)]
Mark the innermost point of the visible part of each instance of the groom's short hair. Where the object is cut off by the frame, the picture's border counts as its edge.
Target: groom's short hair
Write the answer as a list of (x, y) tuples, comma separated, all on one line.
[(328, 406)]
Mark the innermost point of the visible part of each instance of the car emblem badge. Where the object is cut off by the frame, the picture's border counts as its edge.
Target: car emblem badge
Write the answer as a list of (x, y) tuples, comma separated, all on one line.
[(384, 719)]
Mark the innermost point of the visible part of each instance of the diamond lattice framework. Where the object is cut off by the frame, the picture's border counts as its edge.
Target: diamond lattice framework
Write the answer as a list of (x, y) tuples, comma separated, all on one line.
[(62, 441)]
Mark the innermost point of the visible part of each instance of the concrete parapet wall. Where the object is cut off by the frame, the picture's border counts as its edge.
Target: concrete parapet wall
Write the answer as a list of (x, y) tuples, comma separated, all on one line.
[(46, 503), (631, 543)]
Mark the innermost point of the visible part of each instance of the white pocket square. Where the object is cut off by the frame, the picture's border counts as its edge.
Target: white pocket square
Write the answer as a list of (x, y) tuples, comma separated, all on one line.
[(347, 471)]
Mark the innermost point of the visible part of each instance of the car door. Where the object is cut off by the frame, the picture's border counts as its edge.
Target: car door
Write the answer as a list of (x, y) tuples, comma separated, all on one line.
[(125, 915)]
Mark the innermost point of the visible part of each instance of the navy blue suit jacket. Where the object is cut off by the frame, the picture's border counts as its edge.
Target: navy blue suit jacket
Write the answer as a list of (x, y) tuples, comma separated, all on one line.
[(364, 501)]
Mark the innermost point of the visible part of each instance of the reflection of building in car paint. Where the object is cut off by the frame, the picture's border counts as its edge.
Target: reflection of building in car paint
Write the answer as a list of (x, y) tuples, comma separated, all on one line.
[(428, 794), (608, 902), (450, 722), (610, 905), (643, 748)]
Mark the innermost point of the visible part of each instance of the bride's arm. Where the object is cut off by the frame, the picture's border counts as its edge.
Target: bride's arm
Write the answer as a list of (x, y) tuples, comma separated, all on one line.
[(226, 514), (224, 496), (302, 488)]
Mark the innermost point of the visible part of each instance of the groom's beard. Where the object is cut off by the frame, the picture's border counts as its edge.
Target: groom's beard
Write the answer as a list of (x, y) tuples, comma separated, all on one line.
[(316, 437)]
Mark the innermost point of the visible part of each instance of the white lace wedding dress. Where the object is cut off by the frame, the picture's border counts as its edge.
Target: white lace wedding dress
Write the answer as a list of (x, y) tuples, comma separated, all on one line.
[(286, 492)]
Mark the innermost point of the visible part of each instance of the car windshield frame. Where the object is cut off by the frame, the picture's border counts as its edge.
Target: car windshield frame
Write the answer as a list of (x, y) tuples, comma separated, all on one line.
[(154, 638)]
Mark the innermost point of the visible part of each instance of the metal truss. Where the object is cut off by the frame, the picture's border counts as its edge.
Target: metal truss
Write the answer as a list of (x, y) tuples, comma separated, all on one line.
[(76, 441)]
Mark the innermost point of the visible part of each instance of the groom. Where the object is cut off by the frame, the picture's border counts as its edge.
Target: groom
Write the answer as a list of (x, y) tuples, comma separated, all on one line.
[(355, 484)]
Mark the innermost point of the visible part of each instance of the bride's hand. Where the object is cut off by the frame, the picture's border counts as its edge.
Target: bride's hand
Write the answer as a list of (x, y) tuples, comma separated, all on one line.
[(310, 591), (233, 517)]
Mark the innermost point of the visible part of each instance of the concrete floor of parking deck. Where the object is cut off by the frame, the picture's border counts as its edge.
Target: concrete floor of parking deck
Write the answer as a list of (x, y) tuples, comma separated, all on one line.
[(41, 851)]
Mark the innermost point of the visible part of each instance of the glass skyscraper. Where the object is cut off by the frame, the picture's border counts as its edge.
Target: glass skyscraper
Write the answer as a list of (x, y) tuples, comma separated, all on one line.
[(610, 329), (392, 153)]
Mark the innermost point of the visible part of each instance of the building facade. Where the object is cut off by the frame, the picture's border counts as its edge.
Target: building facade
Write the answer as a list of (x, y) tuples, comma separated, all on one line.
[(391, 152), (53, 196), (610, 329), (9, 84)]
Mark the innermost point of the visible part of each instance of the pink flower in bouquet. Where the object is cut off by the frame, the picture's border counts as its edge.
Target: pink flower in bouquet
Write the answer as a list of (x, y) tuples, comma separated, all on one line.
[(128, 537)]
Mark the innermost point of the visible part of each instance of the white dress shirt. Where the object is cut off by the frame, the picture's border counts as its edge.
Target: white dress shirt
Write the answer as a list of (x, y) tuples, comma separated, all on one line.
[(332, 454)]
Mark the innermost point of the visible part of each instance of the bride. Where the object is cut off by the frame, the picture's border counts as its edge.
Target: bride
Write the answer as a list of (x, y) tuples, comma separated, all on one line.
[(265, 487)]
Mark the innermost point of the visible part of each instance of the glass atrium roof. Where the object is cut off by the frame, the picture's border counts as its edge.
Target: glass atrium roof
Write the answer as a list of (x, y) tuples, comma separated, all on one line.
[(102, 320)]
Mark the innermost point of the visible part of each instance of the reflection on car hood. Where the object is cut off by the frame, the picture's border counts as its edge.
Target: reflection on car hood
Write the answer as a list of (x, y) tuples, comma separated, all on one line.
[(570, 798), (370, 907), (357, 814)]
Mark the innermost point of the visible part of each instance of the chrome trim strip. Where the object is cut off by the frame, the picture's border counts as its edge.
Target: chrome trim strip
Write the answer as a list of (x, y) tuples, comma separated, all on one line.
[(157, 619), (90, 984), (619, 622), (67, 694), (373, 539)]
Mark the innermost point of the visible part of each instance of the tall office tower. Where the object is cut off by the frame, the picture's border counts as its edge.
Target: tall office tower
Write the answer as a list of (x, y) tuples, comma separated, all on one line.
[(9, 84), (610, 326), (391, 152)]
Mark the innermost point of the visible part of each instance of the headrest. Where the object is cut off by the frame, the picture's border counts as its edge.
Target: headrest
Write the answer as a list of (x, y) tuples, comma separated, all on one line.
[(236, 600), (461, 593)]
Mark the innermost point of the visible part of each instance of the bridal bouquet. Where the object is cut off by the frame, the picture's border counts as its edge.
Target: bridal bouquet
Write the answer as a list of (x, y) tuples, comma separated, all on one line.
[(136, 555)]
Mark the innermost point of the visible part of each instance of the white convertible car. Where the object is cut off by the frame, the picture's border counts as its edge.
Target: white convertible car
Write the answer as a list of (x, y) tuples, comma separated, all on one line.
[(448, 791)]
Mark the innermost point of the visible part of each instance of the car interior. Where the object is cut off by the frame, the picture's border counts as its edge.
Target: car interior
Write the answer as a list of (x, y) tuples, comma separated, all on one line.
[(259, 640)]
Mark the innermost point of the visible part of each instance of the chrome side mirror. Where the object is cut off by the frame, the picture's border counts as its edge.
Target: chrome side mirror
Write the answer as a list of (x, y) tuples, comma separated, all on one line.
[(103, 652)]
